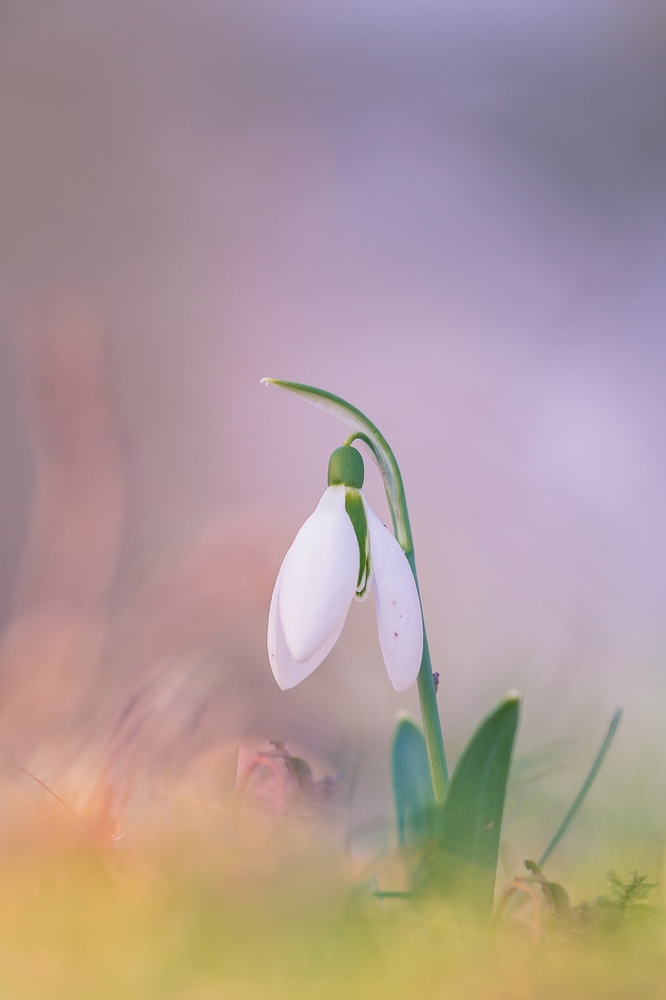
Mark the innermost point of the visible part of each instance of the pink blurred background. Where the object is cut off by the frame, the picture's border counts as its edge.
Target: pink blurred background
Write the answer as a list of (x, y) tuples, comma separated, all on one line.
[(451, 215)]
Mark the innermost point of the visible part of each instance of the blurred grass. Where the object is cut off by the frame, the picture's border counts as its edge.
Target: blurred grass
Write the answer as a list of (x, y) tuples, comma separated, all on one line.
[(193, 904)]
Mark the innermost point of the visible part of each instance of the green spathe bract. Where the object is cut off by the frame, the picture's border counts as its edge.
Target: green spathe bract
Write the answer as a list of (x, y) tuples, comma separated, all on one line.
[(359, 424)]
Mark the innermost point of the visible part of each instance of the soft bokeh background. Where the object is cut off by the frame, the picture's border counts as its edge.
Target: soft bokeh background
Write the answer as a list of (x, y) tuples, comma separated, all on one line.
[(452, 215)]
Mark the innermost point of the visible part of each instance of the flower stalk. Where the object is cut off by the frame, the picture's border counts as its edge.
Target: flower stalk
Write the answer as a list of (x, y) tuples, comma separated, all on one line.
[(364, 431)]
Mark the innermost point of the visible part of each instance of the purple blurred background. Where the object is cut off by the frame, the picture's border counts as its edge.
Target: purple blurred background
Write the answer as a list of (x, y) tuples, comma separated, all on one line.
[(451, 215)]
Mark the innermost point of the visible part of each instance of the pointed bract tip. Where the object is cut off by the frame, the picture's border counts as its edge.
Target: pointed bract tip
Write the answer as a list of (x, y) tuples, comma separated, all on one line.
[(402, 715), (513, 695), (266, 380)]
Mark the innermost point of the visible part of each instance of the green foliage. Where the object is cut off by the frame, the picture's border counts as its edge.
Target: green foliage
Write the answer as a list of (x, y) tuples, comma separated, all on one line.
[(626, 894), (625, 902), (584, 789), (624, 905), (459, 840), (413, 797), (461, 865)]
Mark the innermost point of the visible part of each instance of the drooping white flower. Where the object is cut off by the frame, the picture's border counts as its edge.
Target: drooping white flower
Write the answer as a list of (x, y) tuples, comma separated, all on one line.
[(341, 552)]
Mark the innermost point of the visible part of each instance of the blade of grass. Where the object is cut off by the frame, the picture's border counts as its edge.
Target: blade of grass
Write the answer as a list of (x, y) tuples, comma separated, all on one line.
[(587, 784)]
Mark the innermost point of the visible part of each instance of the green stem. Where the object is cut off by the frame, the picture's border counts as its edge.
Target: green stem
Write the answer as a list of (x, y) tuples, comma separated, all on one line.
[(397, 501), (364, 430), (432, 726)]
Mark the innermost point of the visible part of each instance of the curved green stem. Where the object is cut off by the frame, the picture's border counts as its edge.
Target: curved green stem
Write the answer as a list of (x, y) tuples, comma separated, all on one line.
[(365, 431), (432, 726), (397, 501)]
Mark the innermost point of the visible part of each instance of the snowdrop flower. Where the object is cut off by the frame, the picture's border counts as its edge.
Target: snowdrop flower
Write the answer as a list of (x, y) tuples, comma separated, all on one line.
[(342, 551)]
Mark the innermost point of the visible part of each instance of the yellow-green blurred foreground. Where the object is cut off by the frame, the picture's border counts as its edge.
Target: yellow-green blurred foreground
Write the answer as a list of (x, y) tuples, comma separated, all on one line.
[(200, 900)]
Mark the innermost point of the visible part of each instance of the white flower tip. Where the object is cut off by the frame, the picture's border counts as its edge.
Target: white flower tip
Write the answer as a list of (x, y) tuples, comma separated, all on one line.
[(513, 695), (267, 381), (282, 682), (402, 676)]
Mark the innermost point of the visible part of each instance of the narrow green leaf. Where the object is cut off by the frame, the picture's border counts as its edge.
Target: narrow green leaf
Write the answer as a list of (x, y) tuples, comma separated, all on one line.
[(462, 865), (413, 797), (585, 787)]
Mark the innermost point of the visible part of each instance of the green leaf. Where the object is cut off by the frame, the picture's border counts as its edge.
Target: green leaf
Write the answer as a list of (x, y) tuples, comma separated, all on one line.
[(584, 789), (413, 797), (462, 864)]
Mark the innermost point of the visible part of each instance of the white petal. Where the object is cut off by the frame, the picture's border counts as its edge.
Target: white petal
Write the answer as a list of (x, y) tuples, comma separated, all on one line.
[(287, 671), (397, 603), (313, 591)]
